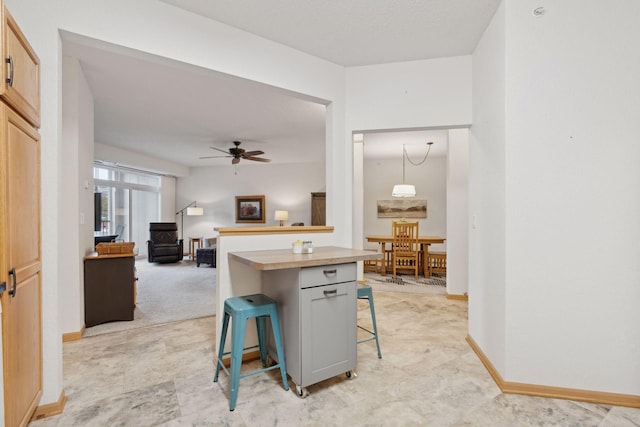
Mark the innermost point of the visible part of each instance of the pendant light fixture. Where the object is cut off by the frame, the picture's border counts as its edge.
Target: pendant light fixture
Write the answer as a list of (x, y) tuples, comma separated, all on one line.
[(408, 190)]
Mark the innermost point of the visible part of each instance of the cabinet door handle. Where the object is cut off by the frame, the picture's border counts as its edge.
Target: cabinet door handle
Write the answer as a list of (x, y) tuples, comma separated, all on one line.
[(331, 293), (14, 288), (9, 79), (334, 271)]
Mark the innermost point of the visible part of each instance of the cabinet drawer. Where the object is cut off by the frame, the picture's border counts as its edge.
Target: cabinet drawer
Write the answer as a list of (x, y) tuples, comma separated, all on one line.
[(327, 274)]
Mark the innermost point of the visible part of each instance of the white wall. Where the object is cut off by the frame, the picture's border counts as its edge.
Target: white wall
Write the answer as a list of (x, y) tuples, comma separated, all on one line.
[(487, 255), (564, 265), (405, 95), (124, 157), (457, 212), (572, 180), (77, 173), (168, 198), (157, 28), (285, 187)]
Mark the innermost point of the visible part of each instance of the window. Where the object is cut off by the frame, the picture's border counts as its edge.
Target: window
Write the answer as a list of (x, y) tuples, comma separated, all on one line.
[(128, 201)]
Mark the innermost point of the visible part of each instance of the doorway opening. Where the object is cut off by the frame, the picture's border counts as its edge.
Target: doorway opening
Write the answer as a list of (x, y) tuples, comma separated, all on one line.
[(441, 182)]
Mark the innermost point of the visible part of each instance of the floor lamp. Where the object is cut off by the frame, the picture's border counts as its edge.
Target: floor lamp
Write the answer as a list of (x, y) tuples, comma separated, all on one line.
[(192, 210)]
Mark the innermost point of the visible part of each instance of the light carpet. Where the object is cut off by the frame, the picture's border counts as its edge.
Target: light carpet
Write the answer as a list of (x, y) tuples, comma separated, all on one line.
[(407, 283), (167, 293)]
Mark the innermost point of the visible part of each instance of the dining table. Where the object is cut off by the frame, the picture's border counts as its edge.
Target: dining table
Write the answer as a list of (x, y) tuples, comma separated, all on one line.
[(423, 241)]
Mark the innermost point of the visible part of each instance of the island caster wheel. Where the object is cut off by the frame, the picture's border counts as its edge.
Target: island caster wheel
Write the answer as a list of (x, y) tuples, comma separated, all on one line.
[(351, 374), (302, 392)]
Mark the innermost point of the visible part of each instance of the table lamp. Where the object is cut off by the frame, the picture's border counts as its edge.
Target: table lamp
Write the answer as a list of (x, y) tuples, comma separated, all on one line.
[(282, 216)]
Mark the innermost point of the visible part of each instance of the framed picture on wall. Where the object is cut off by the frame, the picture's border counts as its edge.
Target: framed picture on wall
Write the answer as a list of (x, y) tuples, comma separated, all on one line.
[(402, 208), (250, 209)]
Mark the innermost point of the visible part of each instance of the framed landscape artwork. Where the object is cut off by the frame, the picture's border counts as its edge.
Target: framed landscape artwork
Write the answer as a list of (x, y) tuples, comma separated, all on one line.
[(402, 208), (250, 209)]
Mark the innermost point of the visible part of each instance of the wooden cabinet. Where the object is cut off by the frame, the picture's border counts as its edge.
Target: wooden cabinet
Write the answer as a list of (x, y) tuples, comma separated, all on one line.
[(20, 82), (317, 310), (20, 259), (109, 288), (327, 321), (318, 209)]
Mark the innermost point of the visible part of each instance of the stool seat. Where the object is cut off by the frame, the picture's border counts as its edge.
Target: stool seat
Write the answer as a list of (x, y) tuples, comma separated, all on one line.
[(365, 292), (249, 305), (258, 306)]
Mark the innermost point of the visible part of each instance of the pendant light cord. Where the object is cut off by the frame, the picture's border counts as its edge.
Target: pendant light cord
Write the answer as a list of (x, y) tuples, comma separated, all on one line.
[(410, 161), (404, 154)]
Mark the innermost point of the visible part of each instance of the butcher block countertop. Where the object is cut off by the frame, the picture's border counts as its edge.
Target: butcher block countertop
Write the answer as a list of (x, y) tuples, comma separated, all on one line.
[(277, 259)]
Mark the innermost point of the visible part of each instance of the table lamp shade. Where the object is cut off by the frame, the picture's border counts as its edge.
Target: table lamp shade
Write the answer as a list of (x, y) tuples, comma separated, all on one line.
[(282, 215)]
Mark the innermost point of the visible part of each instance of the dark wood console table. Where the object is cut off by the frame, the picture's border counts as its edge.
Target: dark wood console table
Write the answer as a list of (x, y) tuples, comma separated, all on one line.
[(109, 288)]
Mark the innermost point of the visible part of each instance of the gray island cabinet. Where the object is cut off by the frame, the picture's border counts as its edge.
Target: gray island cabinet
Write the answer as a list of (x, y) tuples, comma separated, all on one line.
[(316, 295)]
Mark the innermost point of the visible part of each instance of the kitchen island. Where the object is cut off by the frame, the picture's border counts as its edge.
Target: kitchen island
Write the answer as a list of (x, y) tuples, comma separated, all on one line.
[(316, 295)]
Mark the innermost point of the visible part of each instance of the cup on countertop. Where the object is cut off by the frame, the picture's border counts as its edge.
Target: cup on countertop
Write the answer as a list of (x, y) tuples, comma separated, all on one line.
[(297, 247)]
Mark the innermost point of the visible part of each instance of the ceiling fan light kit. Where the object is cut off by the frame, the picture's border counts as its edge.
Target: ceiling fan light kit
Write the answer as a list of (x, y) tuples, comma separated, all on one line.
[(237, 154)]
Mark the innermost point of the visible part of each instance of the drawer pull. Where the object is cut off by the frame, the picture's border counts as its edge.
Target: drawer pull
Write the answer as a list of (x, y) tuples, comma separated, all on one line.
[(334, 271), (329, 293)]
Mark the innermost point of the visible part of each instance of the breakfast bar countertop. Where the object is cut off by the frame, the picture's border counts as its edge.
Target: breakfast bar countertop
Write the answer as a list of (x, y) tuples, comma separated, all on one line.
[(276, 259)]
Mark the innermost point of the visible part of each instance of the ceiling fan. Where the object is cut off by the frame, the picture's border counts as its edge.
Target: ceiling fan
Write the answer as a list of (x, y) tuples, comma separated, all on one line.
[(238, 153)]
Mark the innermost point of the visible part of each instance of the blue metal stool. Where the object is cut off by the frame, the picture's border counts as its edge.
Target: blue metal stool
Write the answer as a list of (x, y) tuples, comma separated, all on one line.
[(365, 292), (240, 309)]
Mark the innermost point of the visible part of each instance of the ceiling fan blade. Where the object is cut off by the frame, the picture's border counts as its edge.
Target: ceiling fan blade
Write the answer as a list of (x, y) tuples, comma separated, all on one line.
[(221, 150), (213, 157), (238, 154), (258, 159), (252, 153)]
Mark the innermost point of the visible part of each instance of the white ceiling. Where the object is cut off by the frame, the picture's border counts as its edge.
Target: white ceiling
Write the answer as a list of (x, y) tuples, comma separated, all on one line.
[(132, 109), (176, 112), (358, 32), (381, 145)]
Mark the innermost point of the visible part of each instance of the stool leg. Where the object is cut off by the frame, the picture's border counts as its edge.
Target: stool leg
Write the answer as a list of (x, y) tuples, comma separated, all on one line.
[(261, 324), (223, 338), (275, 325), (375, 326), (237, 337)]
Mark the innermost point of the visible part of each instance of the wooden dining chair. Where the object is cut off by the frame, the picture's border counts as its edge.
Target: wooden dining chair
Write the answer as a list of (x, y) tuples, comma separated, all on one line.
[(406, 250), (374, 265)]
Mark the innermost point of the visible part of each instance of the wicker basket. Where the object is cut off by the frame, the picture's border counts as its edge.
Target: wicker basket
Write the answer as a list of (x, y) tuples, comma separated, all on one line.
[(112, 248)]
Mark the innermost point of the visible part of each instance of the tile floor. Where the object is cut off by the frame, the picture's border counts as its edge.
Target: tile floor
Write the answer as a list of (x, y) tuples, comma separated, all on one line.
[(428, 376)]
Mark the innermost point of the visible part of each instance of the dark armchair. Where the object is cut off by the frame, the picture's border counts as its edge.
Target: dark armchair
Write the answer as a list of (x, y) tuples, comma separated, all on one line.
[(163, 244)]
